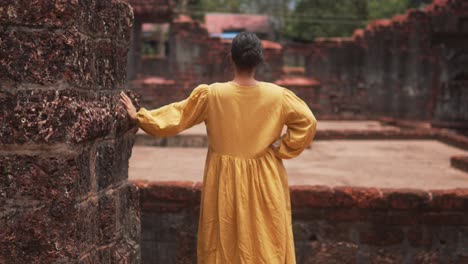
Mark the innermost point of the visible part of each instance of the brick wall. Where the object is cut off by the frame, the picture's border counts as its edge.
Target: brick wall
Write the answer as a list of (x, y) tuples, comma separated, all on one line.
[(65, 140), (196, 58), (411, 66), (331, 225)]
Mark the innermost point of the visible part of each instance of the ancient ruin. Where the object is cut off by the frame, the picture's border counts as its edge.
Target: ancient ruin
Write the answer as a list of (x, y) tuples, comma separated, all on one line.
[(385, 181), (396, 72), (411, 66), (415, 61)]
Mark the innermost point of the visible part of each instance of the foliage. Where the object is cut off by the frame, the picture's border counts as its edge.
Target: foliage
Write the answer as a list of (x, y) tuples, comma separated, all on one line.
[(308, 19), (323, 18)]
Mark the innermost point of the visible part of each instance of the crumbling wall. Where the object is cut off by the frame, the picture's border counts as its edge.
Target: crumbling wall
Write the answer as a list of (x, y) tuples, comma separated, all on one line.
[(65, 139), (450, 38), (197, 58), (412, 66), (334, 63), (331, 225)]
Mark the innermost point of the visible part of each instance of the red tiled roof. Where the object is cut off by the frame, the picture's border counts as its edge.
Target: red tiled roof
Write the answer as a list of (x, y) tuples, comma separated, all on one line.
[(379, 23), (154, 80), (183, 19), (297, 81), (150, 27), (267, 44), (219, 22), (358, 33), (293, 70)]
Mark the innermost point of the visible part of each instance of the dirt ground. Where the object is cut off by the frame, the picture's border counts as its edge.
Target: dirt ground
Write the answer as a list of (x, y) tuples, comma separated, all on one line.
[(420, 164)]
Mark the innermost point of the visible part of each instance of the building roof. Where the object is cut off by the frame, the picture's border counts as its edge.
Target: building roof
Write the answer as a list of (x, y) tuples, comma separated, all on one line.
[(218, 23), (298, 81)]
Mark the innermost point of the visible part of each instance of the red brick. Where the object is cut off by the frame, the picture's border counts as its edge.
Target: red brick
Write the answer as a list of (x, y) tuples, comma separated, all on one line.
[(35, 236), (179, 191), (406, 199), (418, 237), (423, 257), (311, 196), (394, 217), (454, 199), (317, 252), (87, 225), (66, 116), (129, 212), (381, 236), (459, 162), (105, 18), (44, 179), (347, 215), (358, 197), (445, 218), (107, 218)]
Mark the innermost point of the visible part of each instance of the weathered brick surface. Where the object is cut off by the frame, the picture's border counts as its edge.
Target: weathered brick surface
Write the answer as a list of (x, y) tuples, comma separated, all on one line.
[(27, 236), (111, 161), (397, 67), (41, 178), (460, 162), (194, 58), (153, 11), (65, 139), (59, 116), (103, 18), (44, 57), (331, 225)]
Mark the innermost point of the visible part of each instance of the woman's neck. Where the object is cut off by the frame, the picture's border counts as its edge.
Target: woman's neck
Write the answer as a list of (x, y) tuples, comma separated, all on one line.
[(245, 79)]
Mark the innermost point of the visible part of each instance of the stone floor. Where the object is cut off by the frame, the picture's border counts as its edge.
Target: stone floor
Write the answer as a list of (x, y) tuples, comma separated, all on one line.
[(420, 164)]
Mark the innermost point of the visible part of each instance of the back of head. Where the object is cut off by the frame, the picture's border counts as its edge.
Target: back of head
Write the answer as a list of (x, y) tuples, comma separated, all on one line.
[(246, 51)]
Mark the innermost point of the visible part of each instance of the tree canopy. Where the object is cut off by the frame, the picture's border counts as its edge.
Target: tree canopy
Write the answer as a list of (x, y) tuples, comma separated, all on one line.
[(307, 19), (323, 18)]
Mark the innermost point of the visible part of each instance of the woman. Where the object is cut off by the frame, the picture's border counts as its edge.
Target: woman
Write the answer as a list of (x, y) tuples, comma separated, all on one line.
[(245, 212)]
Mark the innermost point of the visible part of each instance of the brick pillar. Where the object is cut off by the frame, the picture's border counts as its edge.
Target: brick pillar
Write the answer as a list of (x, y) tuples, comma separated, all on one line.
[(65, 140), (134, 55)]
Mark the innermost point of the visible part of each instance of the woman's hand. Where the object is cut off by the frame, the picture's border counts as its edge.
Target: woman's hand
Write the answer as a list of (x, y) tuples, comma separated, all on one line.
[(276, 144), (131, 111)]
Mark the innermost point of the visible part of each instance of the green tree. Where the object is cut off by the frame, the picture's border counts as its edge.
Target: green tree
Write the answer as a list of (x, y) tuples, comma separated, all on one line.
[(199, 8), (386, 9), (324, 18)]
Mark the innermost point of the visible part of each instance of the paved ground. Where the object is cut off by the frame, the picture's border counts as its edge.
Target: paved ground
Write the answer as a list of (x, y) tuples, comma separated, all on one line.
[(421, 164), (322, 125)]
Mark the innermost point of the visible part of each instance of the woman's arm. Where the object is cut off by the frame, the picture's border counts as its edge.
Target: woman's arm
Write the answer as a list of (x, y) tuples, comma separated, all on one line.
[(173, 118), (301, 126)]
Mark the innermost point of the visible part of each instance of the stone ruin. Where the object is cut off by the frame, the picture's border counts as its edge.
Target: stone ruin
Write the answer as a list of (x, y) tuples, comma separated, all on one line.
[(194, 57), (65, 140), (412, 66), (396, 71)]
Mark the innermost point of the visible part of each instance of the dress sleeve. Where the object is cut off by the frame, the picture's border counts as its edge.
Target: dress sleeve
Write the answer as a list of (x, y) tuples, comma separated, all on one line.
[(301, 126), (173, 118)]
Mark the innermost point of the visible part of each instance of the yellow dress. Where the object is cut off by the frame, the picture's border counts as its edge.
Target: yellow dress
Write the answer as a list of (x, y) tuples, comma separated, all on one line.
[(245, 211)]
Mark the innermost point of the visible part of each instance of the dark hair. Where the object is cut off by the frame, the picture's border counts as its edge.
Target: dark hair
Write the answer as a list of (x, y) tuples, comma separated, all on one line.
[(246, 51)]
